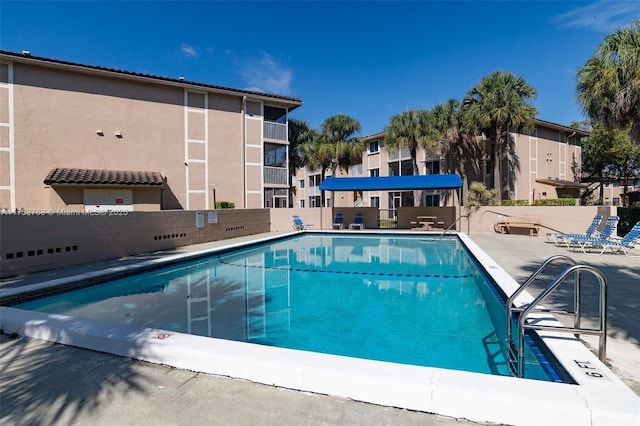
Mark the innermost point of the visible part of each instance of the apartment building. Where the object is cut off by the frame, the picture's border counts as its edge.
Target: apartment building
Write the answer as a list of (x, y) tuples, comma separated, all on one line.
[(542, 163), (78, 137)]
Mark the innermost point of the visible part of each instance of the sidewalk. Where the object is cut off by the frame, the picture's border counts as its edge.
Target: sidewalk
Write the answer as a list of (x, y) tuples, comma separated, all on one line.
[(44, 383)]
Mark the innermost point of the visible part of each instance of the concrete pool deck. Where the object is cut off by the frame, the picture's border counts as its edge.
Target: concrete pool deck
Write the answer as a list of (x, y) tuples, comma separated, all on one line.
[(41, 380)]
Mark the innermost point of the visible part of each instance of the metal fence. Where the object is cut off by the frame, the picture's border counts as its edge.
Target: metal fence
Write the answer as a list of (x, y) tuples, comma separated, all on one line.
[(388, 218)]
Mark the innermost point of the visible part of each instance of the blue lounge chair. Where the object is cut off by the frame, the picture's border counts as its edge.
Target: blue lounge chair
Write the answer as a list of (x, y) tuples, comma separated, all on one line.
[(624, 245), (298, 224), (558, 237), (605, 234), (338, 221), (358, 222)]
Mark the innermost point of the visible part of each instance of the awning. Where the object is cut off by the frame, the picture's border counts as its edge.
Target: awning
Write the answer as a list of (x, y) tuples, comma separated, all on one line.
[(63, 176), (562, 183), (392, 183)]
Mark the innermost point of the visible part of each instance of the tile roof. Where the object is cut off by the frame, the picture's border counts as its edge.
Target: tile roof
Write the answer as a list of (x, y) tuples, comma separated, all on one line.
[(60, 176), (562, 183)]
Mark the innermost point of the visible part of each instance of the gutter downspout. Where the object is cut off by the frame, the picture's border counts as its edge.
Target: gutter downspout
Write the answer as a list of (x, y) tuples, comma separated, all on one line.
[(244, 148)]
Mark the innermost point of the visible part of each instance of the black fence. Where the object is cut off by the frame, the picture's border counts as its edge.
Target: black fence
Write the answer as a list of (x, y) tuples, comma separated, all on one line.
[(388, 218)]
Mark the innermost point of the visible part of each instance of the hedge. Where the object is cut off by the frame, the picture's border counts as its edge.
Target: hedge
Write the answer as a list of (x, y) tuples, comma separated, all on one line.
[(629, 216), (225, 205)]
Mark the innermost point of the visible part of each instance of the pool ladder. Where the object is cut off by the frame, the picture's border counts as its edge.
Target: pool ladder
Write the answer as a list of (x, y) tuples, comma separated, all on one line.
[(520, 314)]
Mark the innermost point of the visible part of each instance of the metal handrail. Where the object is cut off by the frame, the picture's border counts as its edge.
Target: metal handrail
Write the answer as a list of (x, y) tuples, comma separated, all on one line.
[(511, 309), (602, 325), (453, 223)]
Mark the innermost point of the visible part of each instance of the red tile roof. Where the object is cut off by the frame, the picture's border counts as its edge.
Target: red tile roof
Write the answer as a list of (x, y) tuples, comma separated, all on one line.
[(59, 176)]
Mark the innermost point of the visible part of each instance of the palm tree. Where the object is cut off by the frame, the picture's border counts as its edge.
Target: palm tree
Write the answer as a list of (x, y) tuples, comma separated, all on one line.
[(500, 102), (448, 131), (344, 147), (299, 133), (609, 82), (334, 147), (408, 130)]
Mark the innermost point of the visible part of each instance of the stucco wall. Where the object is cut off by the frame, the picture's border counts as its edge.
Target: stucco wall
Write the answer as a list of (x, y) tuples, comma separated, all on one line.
[(30, 243)]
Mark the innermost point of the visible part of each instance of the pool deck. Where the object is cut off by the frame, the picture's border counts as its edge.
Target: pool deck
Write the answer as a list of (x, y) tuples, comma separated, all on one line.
[(43, 383)]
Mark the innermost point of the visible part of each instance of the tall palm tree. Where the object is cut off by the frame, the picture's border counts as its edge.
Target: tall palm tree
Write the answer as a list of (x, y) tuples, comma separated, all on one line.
[(408, 130), (334, 147), (299, 133), (449, 132), (499, 103), (609, 82), (345, 148)]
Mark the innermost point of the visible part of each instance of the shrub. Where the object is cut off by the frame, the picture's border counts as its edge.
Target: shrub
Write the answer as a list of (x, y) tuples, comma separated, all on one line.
[(629, 216), (225, 205), (555, 202), (479, 195), (515, 202)]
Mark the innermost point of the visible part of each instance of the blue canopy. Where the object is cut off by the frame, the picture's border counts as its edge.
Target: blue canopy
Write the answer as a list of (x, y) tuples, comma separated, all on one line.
[(392, 183)]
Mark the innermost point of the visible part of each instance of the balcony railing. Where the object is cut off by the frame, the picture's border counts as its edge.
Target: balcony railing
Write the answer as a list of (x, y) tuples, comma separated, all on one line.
[(275, 131), (276, 176)]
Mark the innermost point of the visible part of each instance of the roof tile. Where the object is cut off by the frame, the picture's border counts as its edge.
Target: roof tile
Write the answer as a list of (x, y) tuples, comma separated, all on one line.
[(62, 176)]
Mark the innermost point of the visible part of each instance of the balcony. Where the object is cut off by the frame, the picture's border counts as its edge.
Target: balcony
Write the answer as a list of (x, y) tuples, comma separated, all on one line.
[(276, 176), (275, 131)]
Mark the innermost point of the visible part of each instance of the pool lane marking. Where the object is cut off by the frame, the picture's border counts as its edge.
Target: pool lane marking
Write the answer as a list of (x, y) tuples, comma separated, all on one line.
[(346, 272)]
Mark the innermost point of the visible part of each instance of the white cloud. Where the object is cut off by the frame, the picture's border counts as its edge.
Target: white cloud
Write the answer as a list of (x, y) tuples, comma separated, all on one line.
[(264, 74), (188, 50), (602, 15)]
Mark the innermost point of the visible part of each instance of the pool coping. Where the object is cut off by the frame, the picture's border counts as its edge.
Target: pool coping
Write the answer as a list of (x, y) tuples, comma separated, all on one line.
[(478, 397)]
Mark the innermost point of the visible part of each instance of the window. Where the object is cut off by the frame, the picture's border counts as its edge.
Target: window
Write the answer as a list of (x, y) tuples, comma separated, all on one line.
[(394, 169), (275, 155), (314, 180), (302, 203), (432, 167), (374, 201), (314, 201), (432, 200), (406, 168), (301, 183), (374, 147), (374, 172)]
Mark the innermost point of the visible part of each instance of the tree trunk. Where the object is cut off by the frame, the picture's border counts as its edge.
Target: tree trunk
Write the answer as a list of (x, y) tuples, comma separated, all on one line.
[(497, 178), (417, 195)]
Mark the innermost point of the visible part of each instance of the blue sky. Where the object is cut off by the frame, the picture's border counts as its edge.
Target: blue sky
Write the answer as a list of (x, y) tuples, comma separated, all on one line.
[(368, 59)]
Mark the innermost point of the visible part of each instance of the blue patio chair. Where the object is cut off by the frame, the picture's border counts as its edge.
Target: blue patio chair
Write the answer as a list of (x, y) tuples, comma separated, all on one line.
[(624, 245), (338, 221), (605, 234), (558, 237), (358, 222), (298, 224)]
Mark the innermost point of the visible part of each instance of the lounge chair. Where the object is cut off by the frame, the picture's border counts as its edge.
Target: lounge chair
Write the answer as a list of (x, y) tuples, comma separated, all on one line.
[(624, 245), (558, 237), (338, 221), (358, 222), (605, 234), (298, 224)]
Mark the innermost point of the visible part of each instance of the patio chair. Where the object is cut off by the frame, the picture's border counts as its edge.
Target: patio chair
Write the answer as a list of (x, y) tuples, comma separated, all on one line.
[(624, 245), (298, 224), (557, 237), (606, 233), (358, 222), (338, 221)]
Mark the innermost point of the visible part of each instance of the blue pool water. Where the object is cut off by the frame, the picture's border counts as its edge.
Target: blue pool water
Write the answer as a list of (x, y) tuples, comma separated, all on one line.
[(400, 299)]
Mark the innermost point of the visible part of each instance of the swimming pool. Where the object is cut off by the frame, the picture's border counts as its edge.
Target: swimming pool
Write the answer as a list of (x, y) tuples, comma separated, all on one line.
[(418, 301), (437, 390)]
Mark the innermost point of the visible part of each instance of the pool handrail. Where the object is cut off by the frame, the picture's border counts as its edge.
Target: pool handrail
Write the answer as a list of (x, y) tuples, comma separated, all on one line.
[(516, 355)]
